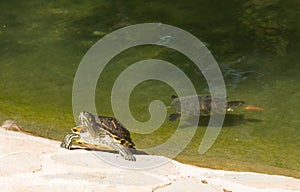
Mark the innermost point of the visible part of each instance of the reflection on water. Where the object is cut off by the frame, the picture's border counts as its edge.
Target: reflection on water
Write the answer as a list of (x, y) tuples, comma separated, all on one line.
[(255, 42), (232, 75)]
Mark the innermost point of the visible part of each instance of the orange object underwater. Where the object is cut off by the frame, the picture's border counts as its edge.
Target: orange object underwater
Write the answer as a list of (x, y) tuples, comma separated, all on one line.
[(254, 108)]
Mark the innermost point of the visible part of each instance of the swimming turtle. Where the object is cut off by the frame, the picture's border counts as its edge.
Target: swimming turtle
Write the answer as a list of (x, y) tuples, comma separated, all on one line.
[(205, 102), (94, 131)]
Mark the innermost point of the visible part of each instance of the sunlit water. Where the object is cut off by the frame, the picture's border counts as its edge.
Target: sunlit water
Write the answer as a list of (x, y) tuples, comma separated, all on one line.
[(256, 44)]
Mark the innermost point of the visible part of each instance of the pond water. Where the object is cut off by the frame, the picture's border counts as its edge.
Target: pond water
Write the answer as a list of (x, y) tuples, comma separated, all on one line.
[(256, 44)]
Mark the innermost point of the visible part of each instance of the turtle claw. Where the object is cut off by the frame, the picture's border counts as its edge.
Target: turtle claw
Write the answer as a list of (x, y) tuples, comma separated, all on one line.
[(64, 145), (125, 153), (130, 158)]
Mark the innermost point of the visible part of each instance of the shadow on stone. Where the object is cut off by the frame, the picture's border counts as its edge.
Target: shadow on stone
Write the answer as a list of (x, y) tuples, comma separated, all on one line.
[(136, 152)]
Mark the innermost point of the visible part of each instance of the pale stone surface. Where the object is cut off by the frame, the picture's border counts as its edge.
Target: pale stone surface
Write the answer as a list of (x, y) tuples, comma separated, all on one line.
[(29, 163)]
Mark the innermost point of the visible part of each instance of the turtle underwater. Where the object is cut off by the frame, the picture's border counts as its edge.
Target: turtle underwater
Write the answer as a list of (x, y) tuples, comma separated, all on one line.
[(205, 102), (93, 131)]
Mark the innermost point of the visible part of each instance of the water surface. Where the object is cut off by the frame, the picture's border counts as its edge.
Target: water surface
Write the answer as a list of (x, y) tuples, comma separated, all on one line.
[(256, 44)]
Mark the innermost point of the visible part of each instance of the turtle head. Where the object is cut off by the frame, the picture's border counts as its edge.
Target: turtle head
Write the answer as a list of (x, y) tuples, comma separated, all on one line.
[(86, 119), (232, 104)]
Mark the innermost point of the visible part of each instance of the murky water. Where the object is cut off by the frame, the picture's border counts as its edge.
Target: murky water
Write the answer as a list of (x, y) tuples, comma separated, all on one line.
[(256, 44)]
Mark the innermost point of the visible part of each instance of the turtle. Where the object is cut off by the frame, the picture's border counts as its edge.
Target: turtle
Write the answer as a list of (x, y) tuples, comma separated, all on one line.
[(95, 131), (205, 102)]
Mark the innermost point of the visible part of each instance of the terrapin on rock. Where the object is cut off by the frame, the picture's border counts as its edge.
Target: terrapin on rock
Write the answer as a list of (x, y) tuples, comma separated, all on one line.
[(94, 131), (205, 105)]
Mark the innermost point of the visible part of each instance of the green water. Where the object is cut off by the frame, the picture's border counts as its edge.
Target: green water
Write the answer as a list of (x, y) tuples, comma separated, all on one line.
[(256, 44)]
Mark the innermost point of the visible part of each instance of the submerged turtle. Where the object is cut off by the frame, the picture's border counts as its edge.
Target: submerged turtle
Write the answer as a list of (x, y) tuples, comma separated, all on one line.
[(94, 131), (205, 102)]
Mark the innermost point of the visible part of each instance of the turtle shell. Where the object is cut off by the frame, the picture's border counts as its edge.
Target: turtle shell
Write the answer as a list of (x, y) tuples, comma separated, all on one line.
[(190, 107), (116, 130)]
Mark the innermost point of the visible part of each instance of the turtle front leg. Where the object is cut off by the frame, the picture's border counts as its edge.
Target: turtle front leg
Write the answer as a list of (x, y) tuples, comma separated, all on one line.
[(124, 151), (67, 142)]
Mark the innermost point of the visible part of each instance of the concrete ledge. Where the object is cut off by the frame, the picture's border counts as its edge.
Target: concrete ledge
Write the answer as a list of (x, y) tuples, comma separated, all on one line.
[(29, 163)]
